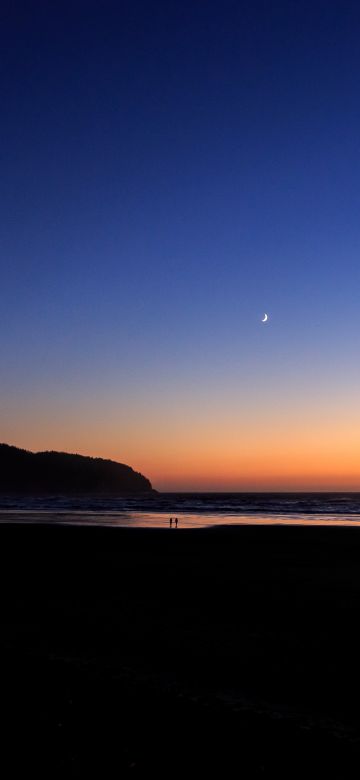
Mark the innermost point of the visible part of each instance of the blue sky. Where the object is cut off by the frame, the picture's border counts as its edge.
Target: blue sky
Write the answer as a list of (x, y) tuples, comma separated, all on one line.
[(170, 171)]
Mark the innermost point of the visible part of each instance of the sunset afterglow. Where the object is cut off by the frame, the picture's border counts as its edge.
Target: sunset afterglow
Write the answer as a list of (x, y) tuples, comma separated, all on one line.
[(192, 179)]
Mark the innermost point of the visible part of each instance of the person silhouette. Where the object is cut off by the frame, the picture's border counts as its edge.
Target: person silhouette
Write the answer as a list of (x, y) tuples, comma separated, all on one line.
[(170, 522), (176, 522)]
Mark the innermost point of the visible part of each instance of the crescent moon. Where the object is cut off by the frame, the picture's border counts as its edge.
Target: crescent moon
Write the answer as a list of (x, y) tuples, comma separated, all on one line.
[(265, 318)]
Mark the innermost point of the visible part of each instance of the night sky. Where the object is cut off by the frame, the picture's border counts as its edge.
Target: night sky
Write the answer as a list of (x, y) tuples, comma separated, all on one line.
[(170, 171)]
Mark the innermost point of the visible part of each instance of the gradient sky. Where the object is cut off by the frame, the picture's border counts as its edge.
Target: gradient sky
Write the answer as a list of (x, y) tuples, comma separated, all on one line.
[(169, 172)]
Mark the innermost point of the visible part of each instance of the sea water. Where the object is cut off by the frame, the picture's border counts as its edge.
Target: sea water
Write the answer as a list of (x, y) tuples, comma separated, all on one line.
[(193, 510)]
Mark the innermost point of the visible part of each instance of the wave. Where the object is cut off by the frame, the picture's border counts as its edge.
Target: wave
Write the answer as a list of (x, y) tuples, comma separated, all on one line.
[(235, 504)]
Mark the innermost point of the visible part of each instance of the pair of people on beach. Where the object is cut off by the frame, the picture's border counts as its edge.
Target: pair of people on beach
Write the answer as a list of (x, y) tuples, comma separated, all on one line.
[(175, 520)]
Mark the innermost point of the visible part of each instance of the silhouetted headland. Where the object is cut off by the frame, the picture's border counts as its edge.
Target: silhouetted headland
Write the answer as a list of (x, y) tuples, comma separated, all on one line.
[(60, 472)]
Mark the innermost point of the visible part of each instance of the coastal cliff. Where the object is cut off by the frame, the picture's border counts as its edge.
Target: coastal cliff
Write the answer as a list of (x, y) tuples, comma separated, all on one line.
[(60, 472)]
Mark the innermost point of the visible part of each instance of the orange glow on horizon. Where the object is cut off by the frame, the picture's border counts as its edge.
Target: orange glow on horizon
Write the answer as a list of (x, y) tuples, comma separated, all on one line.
[(224, 448), (228, 465)]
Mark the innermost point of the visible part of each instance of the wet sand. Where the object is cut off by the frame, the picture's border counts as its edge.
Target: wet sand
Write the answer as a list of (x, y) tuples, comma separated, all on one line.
[(131, 652)]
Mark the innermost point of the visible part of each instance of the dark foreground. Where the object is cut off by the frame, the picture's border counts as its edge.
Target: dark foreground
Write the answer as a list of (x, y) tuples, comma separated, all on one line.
[(132, 653)]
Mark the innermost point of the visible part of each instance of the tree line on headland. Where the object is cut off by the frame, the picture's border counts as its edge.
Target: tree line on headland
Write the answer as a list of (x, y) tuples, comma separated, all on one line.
[(60, 472)]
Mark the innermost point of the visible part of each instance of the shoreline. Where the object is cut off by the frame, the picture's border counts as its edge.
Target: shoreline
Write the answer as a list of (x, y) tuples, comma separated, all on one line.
[(187, 522)]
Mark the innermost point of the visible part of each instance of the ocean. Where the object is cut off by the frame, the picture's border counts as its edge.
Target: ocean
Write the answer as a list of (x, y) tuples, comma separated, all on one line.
[(193, 510)]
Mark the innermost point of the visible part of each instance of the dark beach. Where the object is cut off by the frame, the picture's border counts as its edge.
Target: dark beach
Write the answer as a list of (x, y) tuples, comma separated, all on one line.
[(129, 652)]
